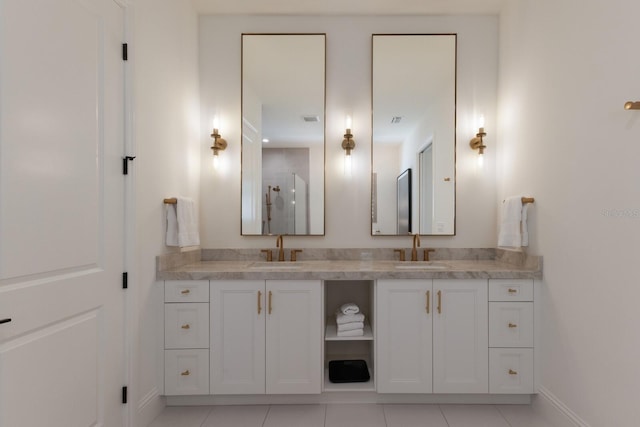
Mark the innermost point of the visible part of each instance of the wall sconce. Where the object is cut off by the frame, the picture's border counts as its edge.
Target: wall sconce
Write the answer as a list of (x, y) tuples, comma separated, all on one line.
[(477, 143), (219, 144), (348, 144)]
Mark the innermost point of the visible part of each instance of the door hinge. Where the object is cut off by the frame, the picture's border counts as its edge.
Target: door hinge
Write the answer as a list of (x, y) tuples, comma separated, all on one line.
[(125, 164), (124, 394), (125, 51), (125, 280)]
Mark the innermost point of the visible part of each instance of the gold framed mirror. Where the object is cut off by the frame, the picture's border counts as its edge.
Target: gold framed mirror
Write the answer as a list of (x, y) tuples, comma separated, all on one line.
[(283, 134), (413, 92)]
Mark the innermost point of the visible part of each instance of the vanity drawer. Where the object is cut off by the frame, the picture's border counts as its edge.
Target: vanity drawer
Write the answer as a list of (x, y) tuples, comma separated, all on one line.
[(510, 290), (186, 325), (511, 370), (186, 291), (510, 324), (186, 372)]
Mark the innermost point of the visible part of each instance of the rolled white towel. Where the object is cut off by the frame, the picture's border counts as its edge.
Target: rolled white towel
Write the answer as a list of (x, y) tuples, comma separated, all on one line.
[(350, 326), (349, 308), (354, 333), (349, 318)]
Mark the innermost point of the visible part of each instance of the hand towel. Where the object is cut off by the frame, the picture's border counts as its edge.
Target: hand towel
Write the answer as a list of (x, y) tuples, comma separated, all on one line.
[(349, 318), (523, 224), (349, 308), (182, 224), (354, 333), (510, 233), (350, 326), (172, 226)]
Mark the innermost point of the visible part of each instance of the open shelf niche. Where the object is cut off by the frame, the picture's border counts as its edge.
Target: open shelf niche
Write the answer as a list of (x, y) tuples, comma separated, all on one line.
[(338, 292)]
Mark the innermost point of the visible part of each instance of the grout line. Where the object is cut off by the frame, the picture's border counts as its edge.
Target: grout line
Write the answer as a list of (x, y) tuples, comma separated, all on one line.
[(266, 415), (443, 415), (384, 414), (502, 415), (206, 417), (325, 416)]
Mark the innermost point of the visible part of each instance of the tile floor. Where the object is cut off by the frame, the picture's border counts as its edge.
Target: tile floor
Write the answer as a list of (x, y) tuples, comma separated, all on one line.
[(348, 415)]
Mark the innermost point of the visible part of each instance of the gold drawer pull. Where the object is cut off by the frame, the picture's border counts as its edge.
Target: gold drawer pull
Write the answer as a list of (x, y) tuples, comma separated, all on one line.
[(428, 301), (512, 372), (259, 302), (512, 291), (185, 292), (511, 325), (186, 326), (185, 373)]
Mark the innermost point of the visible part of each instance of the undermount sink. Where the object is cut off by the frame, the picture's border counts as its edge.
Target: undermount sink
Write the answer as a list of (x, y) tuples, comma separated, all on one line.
[(275, 265), (424, 265)]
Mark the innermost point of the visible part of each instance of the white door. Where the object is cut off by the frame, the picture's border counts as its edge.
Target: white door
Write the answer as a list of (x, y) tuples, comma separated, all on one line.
[(460, 336), (404, 317), (238, 313), (61, 213), (294, 336)]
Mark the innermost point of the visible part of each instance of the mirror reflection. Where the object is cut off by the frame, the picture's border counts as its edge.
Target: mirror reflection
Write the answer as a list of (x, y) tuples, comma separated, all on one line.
[(414, 116), (283, 116)]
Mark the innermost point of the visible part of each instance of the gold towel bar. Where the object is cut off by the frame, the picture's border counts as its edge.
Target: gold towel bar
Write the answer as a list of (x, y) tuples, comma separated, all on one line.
[(526, 200)]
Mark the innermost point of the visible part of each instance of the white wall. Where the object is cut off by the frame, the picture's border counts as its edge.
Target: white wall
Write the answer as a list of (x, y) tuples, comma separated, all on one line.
[(567, 68), (348, 222), (163, 51)]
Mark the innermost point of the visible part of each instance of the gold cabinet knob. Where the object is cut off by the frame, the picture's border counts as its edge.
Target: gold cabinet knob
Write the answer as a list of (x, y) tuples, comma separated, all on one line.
[(512, 372), (187, 326), (185, 373), (185, 292)]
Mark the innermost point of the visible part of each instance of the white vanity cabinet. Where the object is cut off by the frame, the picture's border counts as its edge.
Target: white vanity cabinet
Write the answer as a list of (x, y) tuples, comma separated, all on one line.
[(266, 336), (432, 336), (511, 336), (186, 337)]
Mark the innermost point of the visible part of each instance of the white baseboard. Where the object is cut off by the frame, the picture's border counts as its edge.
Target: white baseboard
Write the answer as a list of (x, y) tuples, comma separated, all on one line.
[(348, 397), (555, 411), (149, 407)]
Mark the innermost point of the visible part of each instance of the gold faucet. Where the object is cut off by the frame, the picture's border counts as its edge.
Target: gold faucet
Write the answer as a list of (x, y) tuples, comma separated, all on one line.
[(280, 244), (414, 251)]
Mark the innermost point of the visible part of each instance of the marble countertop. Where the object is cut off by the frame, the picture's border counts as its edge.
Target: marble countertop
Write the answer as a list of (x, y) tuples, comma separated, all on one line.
[(350, 270)]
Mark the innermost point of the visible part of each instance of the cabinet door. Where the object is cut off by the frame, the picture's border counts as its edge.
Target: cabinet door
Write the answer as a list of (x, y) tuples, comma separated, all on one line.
[(404, 316), (294, 336), (460, 336), (237, 337)]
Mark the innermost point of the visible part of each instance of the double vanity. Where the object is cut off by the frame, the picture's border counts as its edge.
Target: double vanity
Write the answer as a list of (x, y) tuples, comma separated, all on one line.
[(458, 328)]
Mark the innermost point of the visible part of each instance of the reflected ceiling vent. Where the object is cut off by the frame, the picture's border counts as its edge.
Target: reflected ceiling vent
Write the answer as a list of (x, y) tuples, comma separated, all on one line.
[(396, 119), (311, 119)]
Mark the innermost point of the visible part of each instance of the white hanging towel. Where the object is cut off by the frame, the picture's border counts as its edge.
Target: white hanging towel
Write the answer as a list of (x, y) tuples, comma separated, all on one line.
[(510, 223), (523, 225), (182, 223)]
